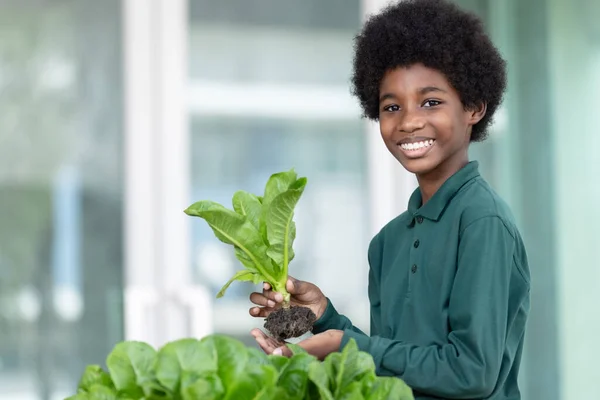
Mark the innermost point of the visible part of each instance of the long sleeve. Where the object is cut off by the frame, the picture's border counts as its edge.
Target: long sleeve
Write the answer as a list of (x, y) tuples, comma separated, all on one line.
[(331, 319), (485, 299)]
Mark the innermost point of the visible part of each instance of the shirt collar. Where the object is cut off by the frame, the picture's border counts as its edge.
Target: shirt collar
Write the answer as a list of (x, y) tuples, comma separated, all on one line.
[(435, 206)]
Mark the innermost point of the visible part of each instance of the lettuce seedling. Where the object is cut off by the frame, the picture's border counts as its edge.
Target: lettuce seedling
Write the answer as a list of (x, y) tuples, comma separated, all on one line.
[(262, 231)]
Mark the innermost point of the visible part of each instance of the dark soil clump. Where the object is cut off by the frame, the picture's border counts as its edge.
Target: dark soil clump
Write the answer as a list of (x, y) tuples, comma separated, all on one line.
[(290, 323)]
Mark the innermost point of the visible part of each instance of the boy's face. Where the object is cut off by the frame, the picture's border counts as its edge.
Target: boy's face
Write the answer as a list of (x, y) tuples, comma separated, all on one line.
[(422, 120)]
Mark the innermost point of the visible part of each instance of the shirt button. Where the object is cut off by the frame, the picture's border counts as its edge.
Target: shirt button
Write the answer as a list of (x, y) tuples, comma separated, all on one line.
[(414, 268), (416, 244), (420, 219)]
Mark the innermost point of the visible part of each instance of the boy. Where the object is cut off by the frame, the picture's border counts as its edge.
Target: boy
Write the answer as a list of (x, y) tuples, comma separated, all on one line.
[(449, 279)]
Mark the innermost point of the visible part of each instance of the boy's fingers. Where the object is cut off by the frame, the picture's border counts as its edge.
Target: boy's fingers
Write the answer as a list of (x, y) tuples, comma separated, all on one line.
[(265, 343), (277, 297), (262, 300), (257, 333), (266, 286), (255, 311), (295, 286), (262, 312), (290, 285), (282, 351), (274, 296)]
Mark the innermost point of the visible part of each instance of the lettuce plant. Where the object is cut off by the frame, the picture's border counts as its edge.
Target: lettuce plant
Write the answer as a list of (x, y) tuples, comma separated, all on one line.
[(221, 368), (261, 230)]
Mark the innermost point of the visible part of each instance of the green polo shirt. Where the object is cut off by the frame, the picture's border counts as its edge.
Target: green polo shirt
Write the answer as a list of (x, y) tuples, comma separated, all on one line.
[(449, 294)]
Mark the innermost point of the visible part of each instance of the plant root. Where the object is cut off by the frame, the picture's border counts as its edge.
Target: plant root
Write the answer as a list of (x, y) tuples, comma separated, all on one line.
[(291, 322)]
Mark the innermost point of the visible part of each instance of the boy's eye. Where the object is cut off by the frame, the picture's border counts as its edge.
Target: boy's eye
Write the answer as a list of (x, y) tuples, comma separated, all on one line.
[(431, 103), (391, 108)]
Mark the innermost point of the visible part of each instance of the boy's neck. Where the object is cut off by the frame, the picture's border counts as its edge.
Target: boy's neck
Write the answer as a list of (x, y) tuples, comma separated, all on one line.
[(430, 182)]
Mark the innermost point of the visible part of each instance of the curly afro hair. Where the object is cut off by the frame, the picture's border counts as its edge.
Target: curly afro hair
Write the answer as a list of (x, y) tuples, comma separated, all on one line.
[(439, 35)]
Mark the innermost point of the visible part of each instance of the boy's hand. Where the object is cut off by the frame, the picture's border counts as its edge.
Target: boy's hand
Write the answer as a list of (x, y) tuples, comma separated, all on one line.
[(319, 345), (302, 294)]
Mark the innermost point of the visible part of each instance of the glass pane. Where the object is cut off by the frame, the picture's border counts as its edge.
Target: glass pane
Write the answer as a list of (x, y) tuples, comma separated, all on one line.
[(271, 93), (60, 193), (273, 41)]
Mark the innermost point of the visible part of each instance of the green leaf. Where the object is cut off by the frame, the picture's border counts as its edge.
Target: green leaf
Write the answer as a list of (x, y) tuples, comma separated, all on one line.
[(235, 229), (294, 376), (202, 369), (389, 388), (183, 361), (130, 365), (277, 184), (331, 363), (99, 392), (208, 387), (279, 362), (352, 392), (79, 396), (92, 375), (254, 379), (249, 264), (296, 349), (248, 205), (281, 229), (231, 355), (317, 374), (242, 276), (349, 366), (245, 260), (154, 391), (256, 356), (272, 393)]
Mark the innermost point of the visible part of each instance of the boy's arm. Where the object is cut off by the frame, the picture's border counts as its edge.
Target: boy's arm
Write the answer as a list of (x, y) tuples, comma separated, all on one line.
[(468, 365), (331, 319)]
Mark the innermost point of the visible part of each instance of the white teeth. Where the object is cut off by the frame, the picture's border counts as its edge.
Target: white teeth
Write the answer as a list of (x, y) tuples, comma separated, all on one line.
[(417, 145)]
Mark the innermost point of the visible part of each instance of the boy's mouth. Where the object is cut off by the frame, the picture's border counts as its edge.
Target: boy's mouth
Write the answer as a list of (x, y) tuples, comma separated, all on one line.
[(416, 149)]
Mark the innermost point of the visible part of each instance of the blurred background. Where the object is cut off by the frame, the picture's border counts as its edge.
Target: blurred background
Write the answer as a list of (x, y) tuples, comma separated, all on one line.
[(115, 115)]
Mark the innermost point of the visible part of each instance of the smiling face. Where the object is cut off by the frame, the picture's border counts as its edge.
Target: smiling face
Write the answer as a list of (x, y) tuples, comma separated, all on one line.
[(423, 122)]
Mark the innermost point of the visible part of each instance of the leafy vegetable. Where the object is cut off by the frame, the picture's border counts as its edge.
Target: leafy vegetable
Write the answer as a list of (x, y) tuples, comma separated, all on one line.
[(130, 365), (94, 374), (221, 368), (261, 229)]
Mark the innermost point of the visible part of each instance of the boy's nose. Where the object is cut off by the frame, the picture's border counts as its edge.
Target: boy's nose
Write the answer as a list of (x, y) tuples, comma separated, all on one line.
[(411, 123)]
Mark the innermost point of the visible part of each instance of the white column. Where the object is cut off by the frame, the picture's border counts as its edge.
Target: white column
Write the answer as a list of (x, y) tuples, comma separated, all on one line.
[(160, 302), (140, 199), (390, 184)]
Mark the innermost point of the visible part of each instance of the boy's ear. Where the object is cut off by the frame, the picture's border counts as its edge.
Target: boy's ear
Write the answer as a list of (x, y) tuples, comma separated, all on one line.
[(477, 113)]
